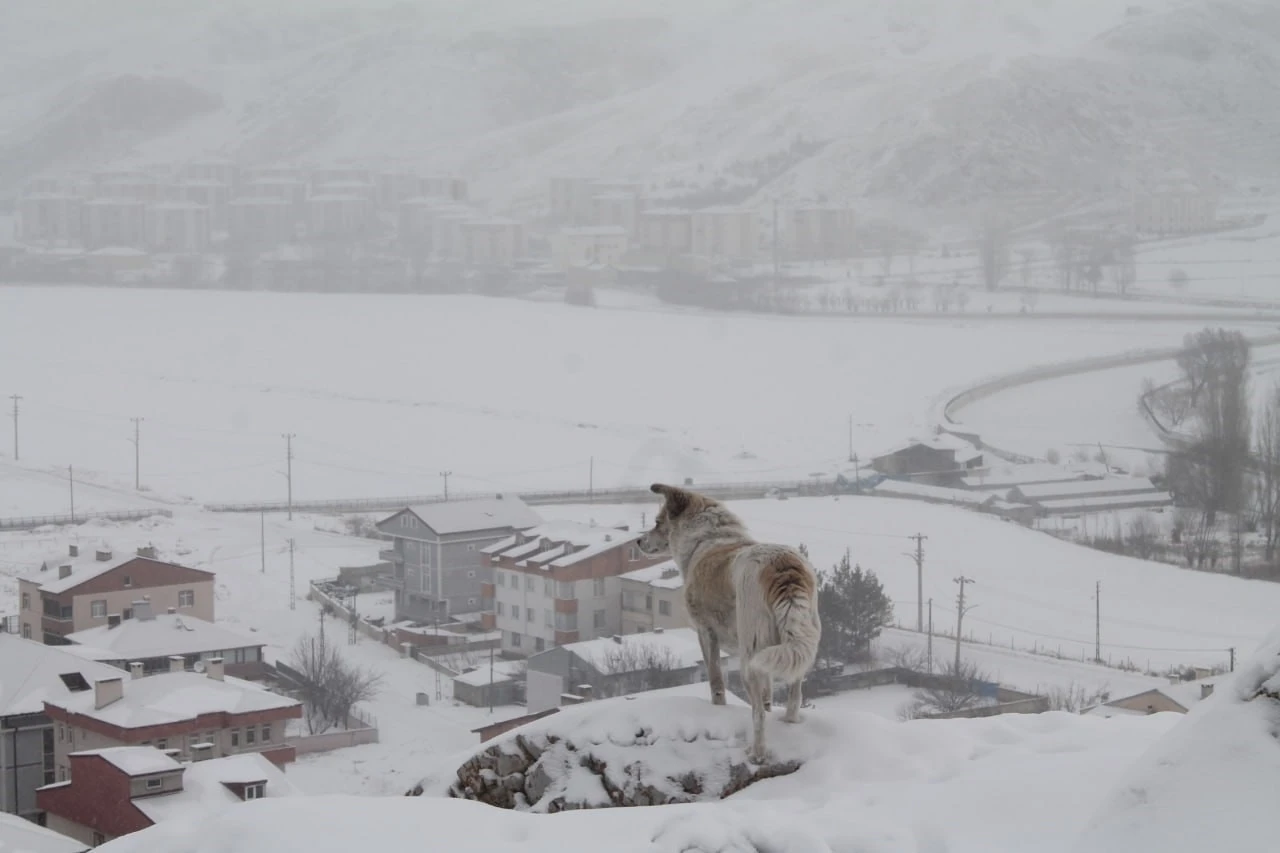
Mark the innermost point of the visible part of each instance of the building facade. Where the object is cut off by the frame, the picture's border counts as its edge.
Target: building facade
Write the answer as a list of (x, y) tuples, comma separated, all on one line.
[(726, 232), (80, 592), (438, 556), (821, 233), (594, 244), (559, 583), (153, 640), (653, 598)]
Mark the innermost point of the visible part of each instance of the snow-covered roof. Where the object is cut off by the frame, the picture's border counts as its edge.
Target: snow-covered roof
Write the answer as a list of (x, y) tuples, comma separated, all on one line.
[(666, 212), (1009, 476), (134, 760), (1130, 501), (545, 545), (263, 201), (19, 835), (86, 568), (503, 670), (204, 787), (898, 488), (165, 634), (1083, 488), (118, 252), (463, 516), (31, 674), (723, 210), (942, 441), (605, 653), (172, 697), (595, 231), (664, 575)]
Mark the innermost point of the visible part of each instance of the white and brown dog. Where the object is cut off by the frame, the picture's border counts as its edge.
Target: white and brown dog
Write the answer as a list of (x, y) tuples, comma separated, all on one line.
[(760, 600)]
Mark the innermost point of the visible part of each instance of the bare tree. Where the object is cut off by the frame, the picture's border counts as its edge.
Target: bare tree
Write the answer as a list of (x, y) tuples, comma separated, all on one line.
[(640, 666), (1075, 697), (955, 690), (1267, 490), (1142, 539), (993, 252), (1217, 361), (331, 687), (1178, 279), (1124, 265)]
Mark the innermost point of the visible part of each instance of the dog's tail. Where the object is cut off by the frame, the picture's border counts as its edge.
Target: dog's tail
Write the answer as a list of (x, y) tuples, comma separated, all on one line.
[(791, 594)]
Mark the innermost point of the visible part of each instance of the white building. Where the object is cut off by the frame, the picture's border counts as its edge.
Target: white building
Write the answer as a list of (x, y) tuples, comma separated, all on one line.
[(726, 232), (820, 233), (178, 226), (582, 246)]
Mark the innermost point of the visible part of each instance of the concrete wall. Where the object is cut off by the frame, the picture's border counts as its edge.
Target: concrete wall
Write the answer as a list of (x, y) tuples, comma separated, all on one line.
[(22, 750)]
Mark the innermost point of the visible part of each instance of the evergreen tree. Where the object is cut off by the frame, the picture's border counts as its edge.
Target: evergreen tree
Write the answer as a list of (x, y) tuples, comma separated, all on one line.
[(854, 610)]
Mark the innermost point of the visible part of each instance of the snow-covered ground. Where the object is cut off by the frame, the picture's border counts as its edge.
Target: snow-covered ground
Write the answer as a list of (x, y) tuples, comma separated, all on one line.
[(384, 393)]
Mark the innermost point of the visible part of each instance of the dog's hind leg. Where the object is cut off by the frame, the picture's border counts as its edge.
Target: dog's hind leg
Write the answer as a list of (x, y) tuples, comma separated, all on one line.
[(757, 685), (793, 702), (711, 656)]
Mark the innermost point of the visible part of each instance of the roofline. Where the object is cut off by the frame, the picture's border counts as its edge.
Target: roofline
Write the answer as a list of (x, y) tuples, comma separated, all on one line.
[(121, 564)]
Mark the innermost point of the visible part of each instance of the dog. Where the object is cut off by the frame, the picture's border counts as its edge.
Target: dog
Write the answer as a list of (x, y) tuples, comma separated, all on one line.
[(758, 599)]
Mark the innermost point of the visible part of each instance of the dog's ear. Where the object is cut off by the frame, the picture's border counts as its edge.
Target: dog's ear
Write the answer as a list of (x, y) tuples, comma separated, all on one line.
[(678, 500)]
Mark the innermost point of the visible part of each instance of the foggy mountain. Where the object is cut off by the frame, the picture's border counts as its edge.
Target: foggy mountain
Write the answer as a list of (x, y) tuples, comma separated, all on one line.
[(924, 103)]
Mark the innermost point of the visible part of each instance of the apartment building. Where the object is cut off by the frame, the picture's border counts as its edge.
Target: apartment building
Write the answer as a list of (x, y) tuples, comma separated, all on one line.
[(438, 553), (653, 599), (665, 231), (120, 790), (30, 674), (559, 583), (594, 244), (493, 242), (190, 714), (178, 226), (726, 232), (820, 233), (82, 591)]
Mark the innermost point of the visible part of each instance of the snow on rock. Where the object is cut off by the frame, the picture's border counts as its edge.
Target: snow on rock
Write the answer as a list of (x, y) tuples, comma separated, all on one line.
[(1210, 783), (641, 751)]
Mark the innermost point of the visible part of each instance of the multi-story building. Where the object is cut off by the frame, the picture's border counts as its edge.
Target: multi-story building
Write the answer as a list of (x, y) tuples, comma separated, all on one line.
[(570, 199), (50, 218), (153, 640), (592, 244), (559, 583), (653, 598), (214, 171), (454, 189), (291, 190), (339, 215), (190, 713), (114, 222), (1175, 208), (725, 232), (120, 790), (30, 674), (666, 231), (178, 226), (821, 233), (493, 242), (438, 553), (78, 592), (617, 208), (261, 221)]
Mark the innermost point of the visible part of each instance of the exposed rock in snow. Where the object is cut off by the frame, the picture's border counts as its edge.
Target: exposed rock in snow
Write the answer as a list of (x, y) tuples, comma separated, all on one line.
[(1211, 782), (623, 752)]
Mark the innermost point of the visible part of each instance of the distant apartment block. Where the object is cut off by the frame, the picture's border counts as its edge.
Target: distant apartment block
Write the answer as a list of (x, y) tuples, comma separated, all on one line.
[(78, 592), (438, 553), (178, 226), (653, 599), (726, 232), (559, 583), (222, 172), (666, 231), (1175, 210), (344, 214), (454, 189), (570, 199), (114, 222), (193, 714), (292, 190), (583, 246), (261, 221), (820, 233), (493, 242), (55, 218)]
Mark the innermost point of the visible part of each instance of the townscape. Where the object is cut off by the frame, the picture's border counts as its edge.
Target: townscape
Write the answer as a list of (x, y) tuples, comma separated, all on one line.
[(329, 432)]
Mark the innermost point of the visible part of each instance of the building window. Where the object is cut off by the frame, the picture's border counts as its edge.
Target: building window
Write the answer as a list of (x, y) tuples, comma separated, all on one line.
[(250, 735), (648, 603), (664, 608), (62, 732), (515, 639), (597, 619), (471, 573), (502, 579), (266, 732), (471, 547), (498, 608), (26, 601), (255, 791), (549, 588), (540, 644), (549, 619), (99, 839), (515, 611), (235, 738), (26, 631), (564, 589), (530, 582), (186, 598), (98, 609), (529, 614), (471, 602), (62, 774), (633, 553), (597, 587), (155, 784), (128, 581), (162, 744)]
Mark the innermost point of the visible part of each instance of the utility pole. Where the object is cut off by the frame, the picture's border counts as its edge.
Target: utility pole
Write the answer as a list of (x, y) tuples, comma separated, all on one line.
[(1233, 658), (137, 453), (851, 438), (591, 481), (929, 647), (918, 556), (491, 679), (777, 273), (288, 443), (1097, 622), (960, 611), (446, 475), (262, 533), (293, 597), (15, 398), (71, 484)]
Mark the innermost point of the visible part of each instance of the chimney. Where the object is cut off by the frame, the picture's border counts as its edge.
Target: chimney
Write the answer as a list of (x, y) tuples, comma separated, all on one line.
[(1206, 690), (171, 610), (135, 669), (584, 690), (215, 668), (64, 572), (102, 555), (177, 663), (113, 620), (73, 550), (142, 610), (201, 752), (147, 551), (106, 691)]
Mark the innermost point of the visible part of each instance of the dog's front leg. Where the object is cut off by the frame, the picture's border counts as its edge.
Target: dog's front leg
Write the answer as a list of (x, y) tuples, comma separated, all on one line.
[(711, 655)]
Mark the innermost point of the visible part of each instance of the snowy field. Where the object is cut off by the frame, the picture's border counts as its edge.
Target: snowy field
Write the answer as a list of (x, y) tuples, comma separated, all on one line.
[(384, 393)]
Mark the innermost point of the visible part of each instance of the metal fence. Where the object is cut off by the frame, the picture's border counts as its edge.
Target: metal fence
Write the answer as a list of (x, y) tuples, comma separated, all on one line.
[(30, 521)]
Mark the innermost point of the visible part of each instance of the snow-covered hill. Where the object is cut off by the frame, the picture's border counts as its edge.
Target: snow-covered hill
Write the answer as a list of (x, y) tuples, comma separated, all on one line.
[(928, 103)]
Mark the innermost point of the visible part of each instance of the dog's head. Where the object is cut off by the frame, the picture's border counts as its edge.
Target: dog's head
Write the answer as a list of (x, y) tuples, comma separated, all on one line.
[(677, 507)]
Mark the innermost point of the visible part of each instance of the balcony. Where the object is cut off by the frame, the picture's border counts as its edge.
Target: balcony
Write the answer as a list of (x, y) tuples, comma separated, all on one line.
[(487, 590), (566, 605), (565, 637)]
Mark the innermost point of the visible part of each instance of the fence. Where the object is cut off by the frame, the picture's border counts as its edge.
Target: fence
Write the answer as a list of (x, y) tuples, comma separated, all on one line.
[(28, 522), (361, 728), (623, 494)]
